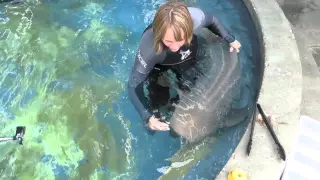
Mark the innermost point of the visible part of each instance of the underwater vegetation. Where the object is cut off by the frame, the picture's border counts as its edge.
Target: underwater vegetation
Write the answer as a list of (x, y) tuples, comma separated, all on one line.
[(45, 89)]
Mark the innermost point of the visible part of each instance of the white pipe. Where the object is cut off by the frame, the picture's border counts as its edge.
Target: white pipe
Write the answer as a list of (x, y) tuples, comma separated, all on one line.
[(5, 138)]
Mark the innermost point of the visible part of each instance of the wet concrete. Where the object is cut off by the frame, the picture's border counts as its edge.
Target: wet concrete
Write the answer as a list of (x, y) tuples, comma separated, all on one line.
[(304, 17)]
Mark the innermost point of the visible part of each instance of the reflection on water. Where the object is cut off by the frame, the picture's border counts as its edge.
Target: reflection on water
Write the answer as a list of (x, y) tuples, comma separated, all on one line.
[(64, 67)]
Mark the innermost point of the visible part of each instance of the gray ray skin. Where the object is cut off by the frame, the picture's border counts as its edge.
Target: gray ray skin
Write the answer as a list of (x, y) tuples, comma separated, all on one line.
[(206, 108)]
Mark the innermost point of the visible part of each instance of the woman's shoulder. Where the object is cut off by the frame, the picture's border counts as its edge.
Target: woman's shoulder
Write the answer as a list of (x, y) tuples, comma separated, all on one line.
[(198, 17), (195, 11), (146, 47), (147, 40)]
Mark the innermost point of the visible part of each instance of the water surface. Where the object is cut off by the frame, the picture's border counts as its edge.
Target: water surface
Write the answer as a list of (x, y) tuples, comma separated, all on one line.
[(64, 68)]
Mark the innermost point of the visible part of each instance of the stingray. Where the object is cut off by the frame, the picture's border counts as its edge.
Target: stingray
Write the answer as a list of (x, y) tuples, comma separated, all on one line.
[(208, 105), (212, 102)]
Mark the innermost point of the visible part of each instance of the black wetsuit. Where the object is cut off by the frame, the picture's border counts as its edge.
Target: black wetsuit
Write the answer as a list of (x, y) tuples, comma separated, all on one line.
[(148, 65)]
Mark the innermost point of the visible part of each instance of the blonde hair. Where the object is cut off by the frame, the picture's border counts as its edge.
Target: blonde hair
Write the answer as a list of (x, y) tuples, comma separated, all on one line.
[(175, 15)]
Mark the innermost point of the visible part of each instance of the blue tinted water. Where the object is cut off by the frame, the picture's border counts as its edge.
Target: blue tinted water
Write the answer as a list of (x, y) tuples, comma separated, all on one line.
[(93, 72)]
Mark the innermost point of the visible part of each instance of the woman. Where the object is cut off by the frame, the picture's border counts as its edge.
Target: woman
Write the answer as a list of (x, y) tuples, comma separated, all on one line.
[(170, 42)]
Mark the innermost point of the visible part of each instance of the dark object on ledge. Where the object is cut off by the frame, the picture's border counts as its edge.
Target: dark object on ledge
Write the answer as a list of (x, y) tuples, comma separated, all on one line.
[(280, 149), (20, 131)]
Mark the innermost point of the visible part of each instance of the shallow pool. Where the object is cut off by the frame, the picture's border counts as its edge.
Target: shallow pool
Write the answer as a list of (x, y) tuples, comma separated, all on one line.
[(64, 68)]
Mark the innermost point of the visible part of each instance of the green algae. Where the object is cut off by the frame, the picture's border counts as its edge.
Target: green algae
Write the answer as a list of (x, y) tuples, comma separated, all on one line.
[(55, 45), (63, 125), (97, 32), (63, 129), (93, 8)]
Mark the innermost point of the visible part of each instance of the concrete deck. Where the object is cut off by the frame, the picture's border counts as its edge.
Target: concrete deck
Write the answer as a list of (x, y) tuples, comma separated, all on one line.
[(281, 93), (304, 18)]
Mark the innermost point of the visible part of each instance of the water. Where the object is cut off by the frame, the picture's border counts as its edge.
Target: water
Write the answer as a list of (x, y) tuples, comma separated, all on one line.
[(65, 66)]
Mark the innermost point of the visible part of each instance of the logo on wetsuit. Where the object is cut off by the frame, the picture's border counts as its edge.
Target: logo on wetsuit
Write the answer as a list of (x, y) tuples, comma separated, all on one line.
[(141, 60), (185, 54)]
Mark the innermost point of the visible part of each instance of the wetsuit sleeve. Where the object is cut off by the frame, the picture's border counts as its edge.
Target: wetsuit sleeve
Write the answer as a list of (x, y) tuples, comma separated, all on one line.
[(145, 60), (135, 90), (204, 19)]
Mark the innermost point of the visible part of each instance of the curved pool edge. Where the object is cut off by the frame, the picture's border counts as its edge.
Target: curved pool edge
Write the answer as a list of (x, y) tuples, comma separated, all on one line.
[(280, 94)]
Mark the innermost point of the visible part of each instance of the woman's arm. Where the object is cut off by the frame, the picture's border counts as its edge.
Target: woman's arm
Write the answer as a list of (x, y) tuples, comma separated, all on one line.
[(203, 19), (145, 60), (215, 26)]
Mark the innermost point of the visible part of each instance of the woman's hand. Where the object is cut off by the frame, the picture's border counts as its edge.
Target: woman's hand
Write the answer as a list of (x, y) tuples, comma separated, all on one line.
[(235, 45), (156, 124)]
